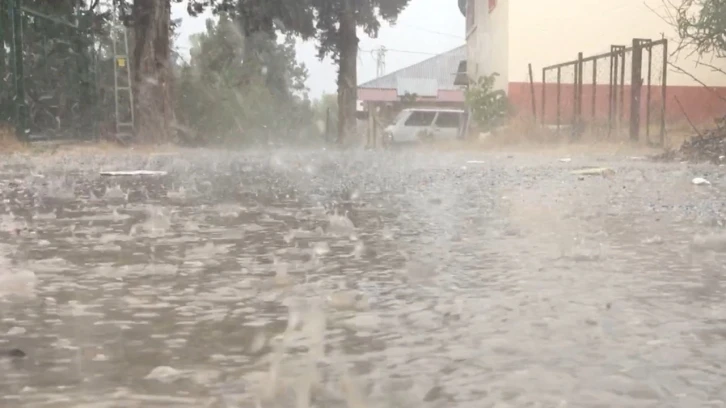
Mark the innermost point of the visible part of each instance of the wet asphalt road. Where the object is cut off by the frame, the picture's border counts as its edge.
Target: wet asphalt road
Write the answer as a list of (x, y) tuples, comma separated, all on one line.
[(323, 279)]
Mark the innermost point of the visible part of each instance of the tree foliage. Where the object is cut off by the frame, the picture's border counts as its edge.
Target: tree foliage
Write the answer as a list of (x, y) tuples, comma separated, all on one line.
[(701, 24), (259, 25), (266, 16), (332, 23), (309, 19), (368, 15), (336, 24), (220, 96), (489, 107), (58, 68)]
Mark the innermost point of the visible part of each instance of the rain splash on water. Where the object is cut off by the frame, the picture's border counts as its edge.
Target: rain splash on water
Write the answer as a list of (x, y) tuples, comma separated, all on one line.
[(319, 279)]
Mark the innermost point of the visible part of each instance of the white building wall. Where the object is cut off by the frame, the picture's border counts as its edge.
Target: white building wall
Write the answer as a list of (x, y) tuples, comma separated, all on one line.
[(553, 31), (499, 41), (488, 44)]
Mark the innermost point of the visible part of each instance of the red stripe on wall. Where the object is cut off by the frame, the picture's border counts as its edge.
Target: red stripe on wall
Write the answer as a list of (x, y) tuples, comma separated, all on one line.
[(701, 105)]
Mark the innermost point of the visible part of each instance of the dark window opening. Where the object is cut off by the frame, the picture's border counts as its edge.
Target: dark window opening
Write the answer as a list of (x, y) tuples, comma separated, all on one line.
[(449, 120), (420, 118)]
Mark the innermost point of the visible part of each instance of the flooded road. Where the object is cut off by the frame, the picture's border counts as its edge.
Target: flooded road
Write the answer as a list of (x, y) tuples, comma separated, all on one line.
[(323, 279)]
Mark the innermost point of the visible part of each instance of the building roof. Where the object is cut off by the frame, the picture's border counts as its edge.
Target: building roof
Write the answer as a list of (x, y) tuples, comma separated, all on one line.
[(424, 78)]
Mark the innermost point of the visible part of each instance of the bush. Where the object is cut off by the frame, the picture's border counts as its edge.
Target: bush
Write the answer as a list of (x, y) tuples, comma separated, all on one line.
[(222, 98), (489, 107)]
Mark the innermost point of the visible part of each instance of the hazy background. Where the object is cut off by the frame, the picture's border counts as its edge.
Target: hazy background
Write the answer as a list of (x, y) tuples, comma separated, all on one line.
[(424, 29)]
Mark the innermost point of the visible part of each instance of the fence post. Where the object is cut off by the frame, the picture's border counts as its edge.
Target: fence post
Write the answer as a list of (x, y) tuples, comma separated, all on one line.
[(647, 91), (531, 88), (579, 67), (559, 93), (594, 89), (613, 97), (544, 87), (636, 81), (3, 57), (575, 98), (21, 122), (621, 107), (664, 93)]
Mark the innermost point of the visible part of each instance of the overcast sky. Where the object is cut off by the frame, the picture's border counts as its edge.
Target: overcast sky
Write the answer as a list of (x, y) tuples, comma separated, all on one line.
[(424, 29)]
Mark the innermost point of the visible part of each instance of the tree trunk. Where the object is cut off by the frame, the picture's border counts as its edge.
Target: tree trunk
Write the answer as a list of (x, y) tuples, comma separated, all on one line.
[(152, 70), (257, 27), (347, 74)]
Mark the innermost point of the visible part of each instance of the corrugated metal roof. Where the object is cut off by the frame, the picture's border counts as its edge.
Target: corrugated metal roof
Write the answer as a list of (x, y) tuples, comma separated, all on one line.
[(419, 86), (440, 68)]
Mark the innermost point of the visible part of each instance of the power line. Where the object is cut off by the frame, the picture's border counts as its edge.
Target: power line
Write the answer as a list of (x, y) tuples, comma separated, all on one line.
[(426, 30), (402, 51)]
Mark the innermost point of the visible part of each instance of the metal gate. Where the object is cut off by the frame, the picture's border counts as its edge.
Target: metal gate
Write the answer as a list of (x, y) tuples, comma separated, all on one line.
[(602, 93), (48, 80)]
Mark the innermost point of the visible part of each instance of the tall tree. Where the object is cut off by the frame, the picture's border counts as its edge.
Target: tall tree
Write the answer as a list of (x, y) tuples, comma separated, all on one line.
[(259, 22), (261, 19), (152, 70), (336, 24), (332, 22), (221, 97)]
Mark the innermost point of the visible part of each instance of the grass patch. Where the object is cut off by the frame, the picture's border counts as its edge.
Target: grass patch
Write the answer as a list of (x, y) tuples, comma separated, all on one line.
[(9, 142)]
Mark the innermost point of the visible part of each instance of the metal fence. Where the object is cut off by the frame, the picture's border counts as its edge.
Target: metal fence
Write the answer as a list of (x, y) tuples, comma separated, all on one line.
[(619, 92), (48, 69)]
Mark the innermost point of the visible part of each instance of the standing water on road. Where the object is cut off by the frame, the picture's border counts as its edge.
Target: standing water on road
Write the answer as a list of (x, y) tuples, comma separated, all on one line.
[(321, 279)]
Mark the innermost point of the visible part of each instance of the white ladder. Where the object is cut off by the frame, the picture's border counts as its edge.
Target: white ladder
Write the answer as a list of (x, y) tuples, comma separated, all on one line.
[(122, 84)]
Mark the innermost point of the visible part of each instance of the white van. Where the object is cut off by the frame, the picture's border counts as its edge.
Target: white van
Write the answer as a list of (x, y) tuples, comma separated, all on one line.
[(417, 125)]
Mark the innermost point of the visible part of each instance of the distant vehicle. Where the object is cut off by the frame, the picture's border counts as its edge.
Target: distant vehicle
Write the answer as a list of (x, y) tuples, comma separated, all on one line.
[(421, 125)]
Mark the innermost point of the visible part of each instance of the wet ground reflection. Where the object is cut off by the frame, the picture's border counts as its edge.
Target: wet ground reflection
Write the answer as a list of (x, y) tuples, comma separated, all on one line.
[(408, 279)]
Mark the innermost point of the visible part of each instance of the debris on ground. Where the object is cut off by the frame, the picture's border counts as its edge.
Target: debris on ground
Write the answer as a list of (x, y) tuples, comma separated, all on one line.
[(134, 173), (700, 181), (709, 146), (594, 171)]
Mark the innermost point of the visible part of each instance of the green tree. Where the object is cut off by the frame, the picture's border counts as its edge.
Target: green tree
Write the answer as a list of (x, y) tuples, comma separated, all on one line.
[(151, 66), (332, 22), (57, 61), (221, 96), (336, 23), (489, 107)]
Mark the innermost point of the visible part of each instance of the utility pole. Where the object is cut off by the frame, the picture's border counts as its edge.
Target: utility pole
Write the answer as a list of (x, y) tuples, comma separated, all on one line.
[(380, 55)]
